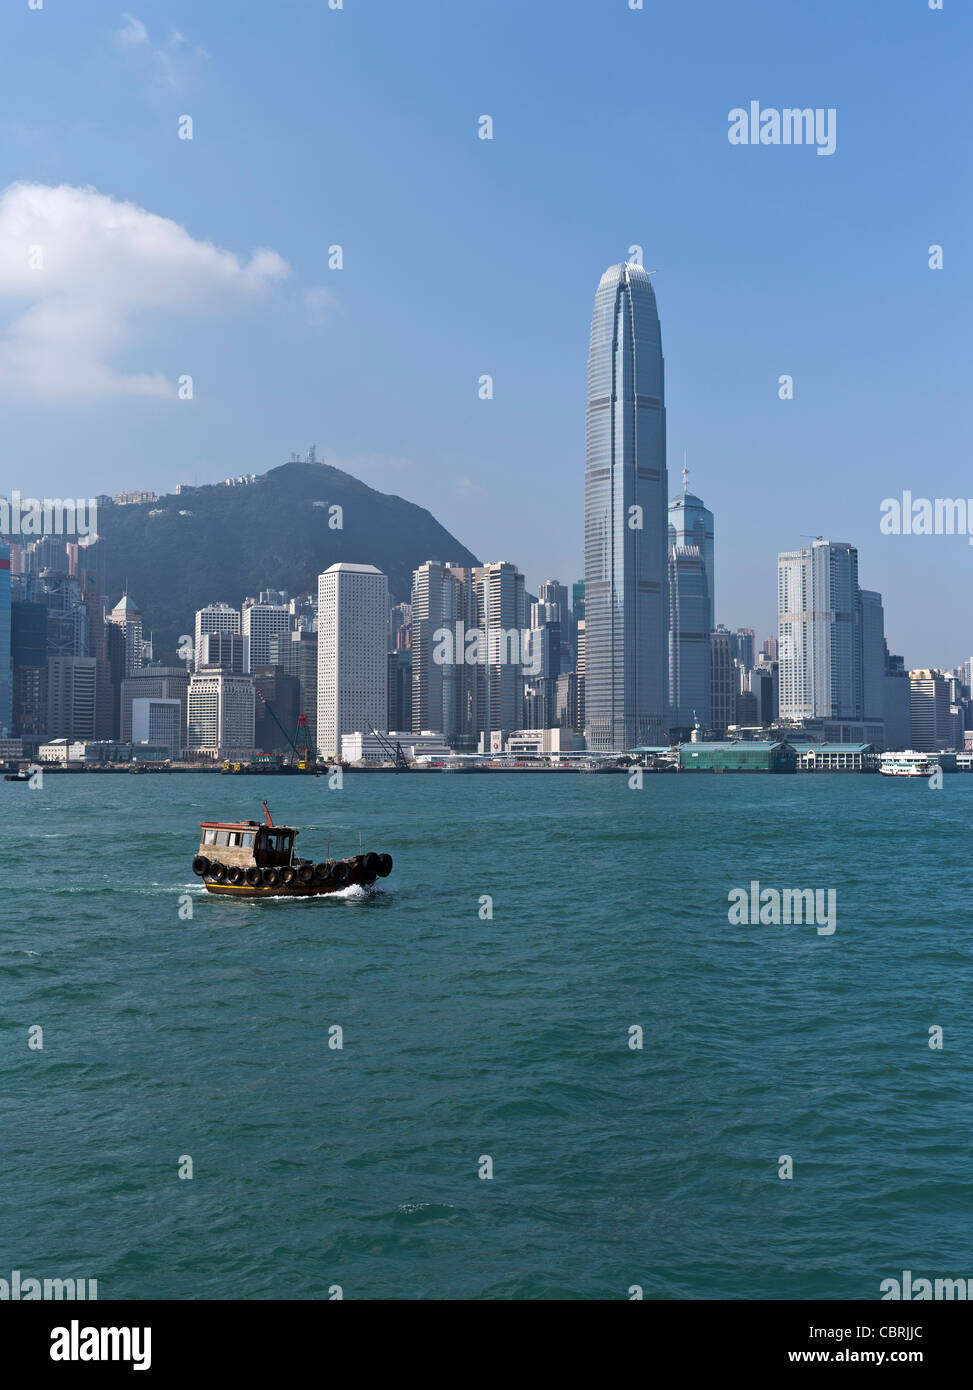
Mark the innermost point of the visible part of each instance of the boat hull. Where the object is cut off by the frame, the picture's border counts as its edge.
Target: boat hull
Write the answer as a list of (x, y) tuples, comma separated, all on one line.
[(272, 890)]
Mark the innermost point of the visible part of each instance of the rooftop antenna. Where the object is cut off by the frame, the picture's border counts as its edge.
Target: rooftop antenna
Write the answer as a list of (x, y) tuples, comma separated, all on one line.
[(685, 473)]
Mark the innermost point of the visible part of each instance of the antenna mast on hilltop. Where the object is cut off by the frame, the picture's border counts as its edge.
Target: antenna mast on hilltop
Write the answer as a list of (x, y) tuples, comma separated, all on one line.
[(312, 454)]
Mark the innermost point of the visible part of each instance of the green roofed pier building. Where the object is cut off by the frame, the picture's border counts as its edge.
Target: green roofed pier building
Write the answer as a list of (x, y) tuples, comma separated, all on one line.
[(737, 757)]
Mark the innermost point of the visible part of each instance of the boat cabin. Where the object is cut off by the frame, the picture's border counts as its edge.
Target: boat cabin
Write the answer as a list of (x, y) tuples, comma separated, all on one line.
[(247, 842)]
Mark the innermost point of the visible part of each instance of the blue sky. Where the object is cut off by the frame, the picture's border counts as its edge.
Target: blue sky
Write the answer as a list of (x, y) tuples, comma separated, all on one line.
[(358, 127)]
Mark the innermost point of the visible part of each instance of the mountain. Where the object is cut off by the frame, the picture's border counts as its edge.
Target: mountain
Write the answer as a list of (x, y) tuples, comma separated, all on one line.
[(273, 533)]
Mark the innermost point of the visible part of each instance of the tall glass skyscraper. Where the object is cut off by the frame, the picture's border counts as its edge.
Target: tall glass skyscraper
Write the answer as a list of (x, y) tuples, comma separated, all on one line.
[(691, 523), (691, 611), (690, 673), (626, 503)]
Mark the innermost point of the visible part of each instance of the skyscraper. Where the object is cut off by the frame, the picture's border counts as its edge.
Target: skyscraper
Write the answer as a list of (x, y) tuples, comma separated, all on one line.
[(690, 692), (215, 617), (6, 670), (260, 622), (126, 615), (874, 655), (691, 611), (227, 650), (71, 697), (296, 652), (500, 611), (691, 523), (626, 495), (28, 655), (280, 692), (353, 615), (551, 608), (577, 600), (155, 682), (742, 643), (88, 565), (576, 617), (221, 714), (820, 632), (898, 703), (159, 722), (441, 601), (722, 681), (582, 664), (931, 724)]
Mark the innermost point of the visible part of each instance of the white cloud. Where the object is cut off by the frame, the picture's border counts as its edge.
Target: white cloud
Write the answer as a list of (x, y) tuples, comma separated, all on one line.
[(173, 62), (318, 303), (132, 32), (103, 263), (466, 487)]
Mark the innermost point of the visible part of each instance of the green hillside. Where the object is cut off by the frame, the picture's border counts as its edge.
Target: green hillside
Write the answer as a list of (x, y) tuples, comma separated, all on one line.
[(265, 535)]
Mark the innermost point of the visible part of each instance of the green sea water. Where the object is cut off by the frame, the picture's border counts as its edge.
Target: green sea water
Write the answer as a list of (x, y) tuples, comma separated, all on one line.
[(476, 1043)]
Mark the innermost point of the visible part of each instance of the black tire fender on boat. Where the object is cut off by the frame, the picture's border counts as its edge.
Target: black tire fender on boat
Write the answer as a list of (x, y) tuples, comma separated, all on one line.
[(252, 876), (384, 865), (287, 875), (271, 877), (369, 865), (200, 864), (322, 872), (217, 872), (306, 873), (235, 875), (341, 871)]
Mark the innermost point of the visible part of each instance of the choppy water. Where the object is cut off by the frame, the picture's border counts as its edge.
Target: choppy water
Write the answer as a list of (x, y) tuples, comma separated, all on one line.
[(506, 1037)]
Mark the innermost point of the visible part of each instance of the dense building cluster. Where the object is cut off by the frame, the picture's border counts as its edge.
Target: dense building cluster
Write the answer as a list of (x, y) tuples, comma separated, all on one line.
[(632, 660)]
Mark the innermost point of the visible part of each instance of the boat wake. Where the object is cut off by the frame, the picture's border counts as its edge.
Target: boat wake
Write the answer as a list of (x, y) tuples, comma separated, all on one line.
[(356, 892)]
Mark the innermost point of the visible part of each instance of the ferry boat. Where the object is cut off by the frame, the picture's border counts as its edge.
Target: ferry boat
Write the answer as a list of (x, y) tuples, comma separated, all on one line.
[(907, 764), (245, 859)]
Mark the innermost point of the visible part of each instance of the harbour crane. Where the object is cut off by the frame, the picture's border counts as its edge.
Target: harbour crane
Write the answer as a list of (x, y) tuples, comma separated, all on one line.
[(393, 751)]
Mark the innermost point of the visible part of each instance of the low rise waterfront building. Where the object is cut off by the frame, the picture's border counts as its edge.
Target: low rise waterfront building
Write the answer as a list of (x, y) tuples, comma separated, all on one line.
[(836, 757), (61, 751), (370, 748), (737, 757), (106, 752), (543, 741)]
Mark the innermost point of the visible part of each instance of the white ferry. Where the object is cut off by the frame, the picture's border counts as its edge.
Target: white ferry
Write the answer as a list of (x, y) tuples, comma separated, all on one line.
[(908, 764)]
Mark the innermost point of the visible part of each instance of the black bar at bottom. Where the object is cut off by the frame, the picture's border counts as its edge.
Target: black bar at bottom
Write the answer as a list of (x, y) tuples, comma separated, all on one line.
[(66, 1339)]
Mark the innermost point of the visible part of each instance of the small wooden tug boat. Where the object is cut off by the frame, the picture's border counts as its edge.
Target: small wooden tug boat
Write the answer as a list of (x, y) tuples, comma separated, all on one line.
[(245, 859)]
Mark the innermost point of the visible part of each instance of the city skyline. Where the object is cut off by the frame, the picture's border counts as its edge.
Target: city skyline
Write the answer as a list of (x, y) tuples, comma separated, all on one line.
[(809, 270)]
